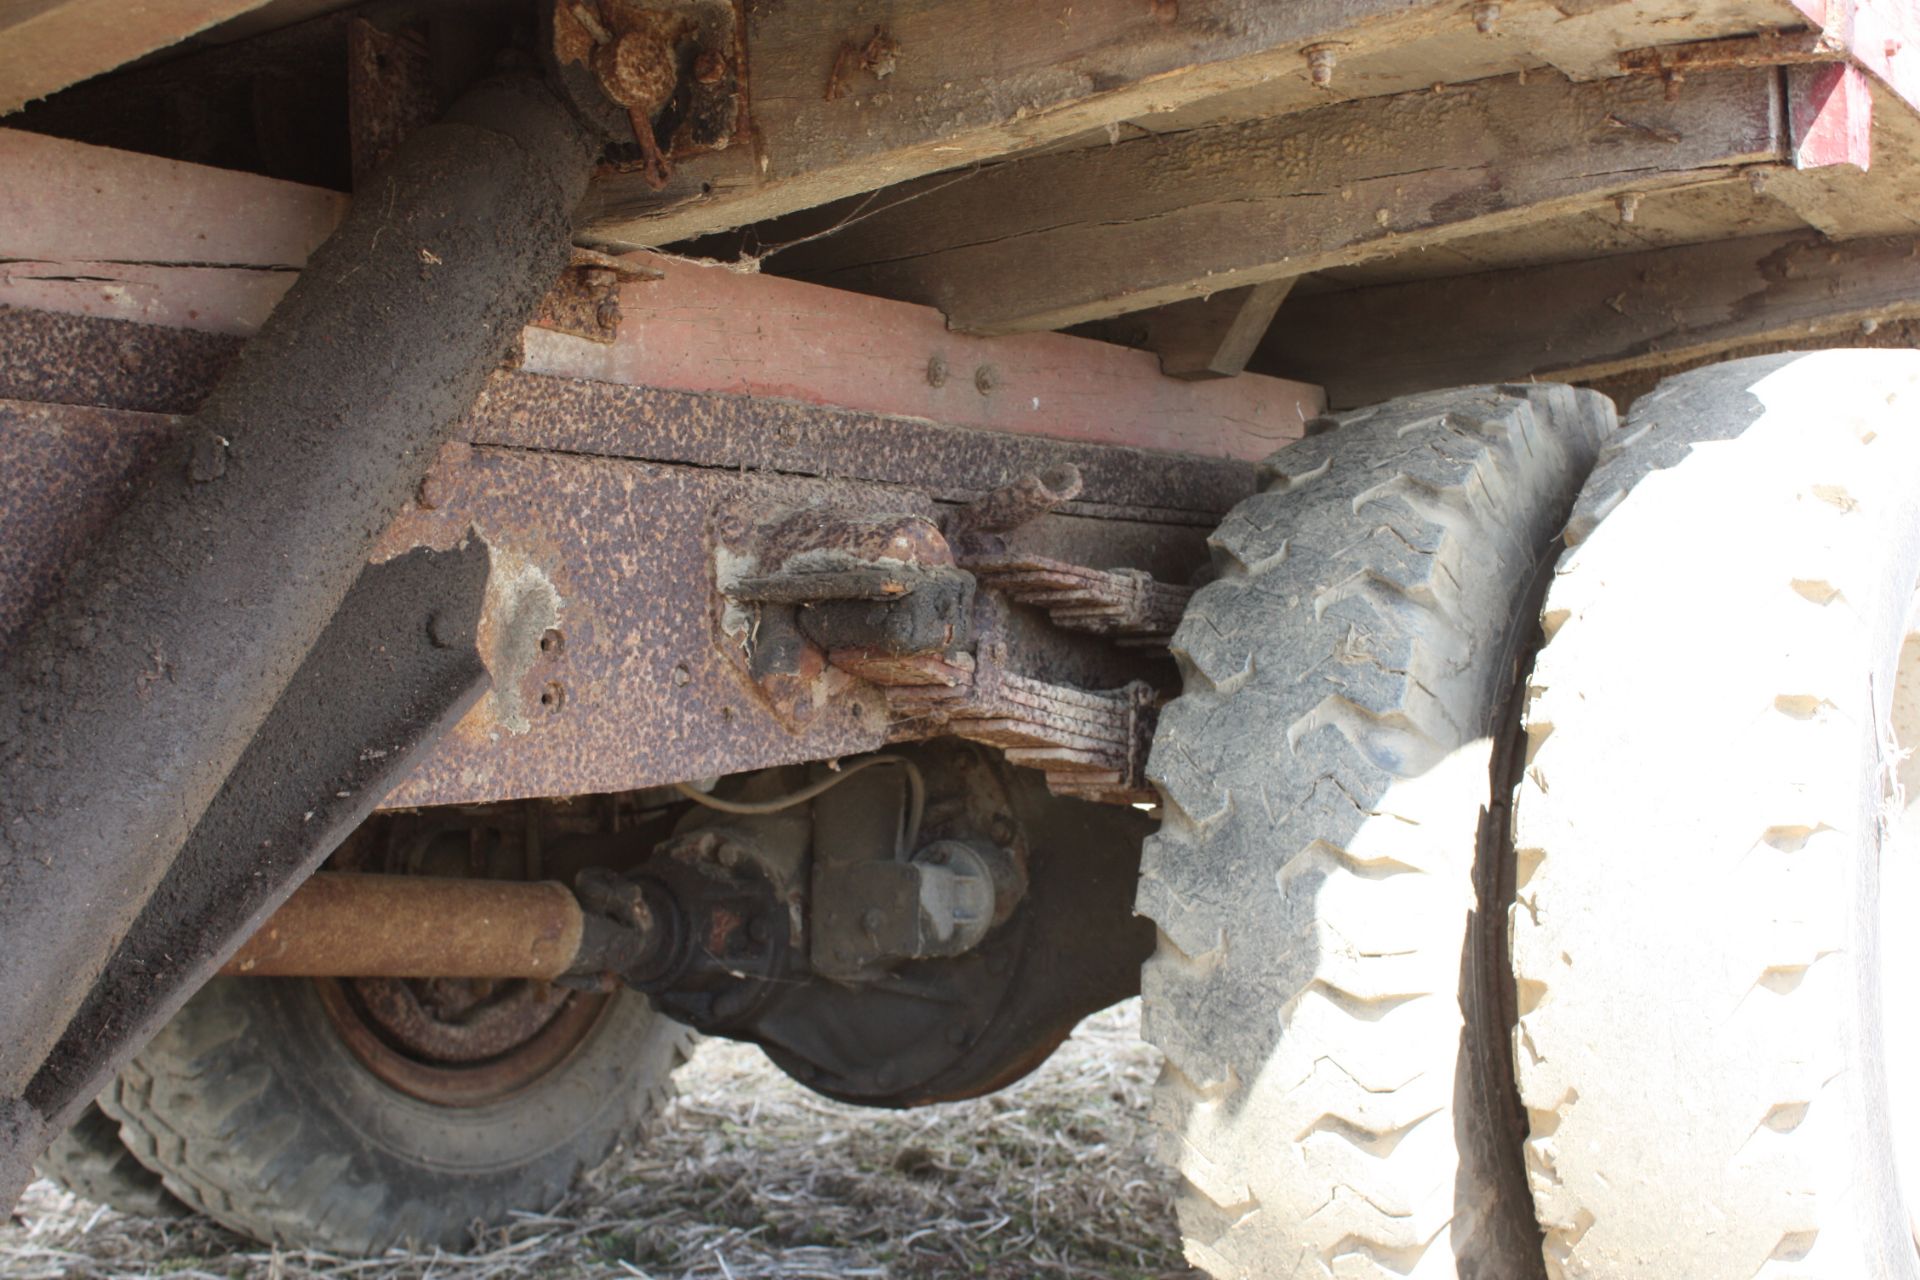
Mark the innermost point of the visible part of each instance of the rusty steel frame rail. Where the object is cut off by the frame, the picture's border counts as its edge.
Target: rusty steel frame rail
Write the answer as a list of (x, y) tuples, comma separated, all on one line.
[(599, 626), (128, 701)]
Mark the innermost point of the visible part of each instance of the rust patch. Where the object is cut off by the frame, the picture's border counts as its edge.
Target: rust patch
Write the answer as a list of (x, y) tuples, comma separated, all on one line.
[(876, 58), (678, 73), (810, 553), (462, 1084), (389, 92), (585, 301)]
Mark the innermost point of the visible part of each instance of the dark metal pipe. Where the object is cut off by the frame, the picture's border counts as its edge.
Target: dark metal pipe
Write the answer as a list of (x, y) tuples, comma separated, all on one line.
[(359, 926), (125, 706)]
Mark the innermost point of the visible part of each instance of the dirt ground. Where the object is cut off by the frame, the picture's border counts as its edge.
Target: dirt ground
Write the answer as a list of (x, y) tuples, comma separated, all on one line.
[(751, 1176)]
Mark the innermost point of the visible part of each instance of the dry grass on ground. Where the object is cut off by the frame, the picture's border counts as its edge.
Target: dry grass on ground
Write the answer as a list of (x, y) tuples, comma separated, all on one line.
[(752, 1176)]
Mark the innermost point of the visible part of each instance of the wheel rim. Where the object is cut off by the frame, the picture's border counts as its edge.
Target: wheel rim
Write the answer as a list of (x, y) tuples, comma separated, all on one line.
[(397, 1037), (1899, 899)]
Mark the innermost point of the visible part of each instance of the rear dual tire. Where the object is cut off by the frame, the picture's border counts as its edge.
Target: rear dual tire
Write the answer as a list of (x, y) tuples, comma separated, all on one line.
[(1716, 1046), (1336, 1092)]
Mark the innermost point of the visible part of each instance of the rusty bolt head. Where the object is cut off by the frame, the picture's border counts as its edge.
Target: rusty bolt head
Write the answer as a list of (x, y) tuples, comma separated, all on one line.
[(710, 67), (606, 313), (985, 379), (637, 71), (433, 491), (936, 371)]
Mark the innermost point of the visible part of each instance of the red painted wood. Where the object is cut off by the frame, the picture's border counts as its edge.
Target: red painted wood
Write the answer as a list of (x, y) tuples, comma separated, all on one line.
[(1829, 115), (1880, 36), (102, 232), (708, 328)]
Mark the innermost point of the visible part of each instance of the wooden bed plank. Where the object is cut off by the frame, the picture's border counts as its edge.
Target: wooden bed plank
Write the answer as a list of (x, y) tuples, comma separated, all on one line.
[(46, 45), (1579, 321), (1069, 237)]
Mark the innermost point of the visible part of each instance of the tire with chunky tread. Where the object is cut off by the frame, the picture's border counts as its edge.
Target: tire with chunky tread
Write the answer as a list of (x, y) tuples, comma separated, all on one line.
[(256, 1113), (1700, 829), (1336, 1092), (91, 1161)]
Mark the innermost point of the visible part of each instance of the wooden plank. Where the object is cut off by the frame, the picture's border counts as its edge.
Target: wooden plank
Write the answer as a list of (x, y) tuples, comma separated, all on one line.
[(1063, 238), (91, 231), (47, 45), (1584, 320), (1201, 338), (972, 80)]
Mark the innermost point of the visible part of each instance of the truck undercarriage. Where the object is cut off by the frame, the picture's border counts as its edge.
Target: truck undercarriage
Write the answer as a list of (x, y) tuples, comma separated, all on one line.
[(527, 525)]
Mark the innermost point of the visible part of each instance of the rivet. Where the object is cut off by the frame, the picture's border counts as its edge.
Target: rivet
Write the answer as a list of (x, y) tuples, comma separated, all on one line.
[(985, 379), (936, 371)]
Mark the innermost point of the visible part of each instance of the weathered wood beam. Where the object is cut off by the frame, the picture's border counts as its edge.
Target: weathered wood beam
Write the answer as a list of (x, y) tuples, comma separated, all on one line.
[(47, 45), (1063, 238), (1200, 338), (108, 233), (966, 81), (1579, 321)]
